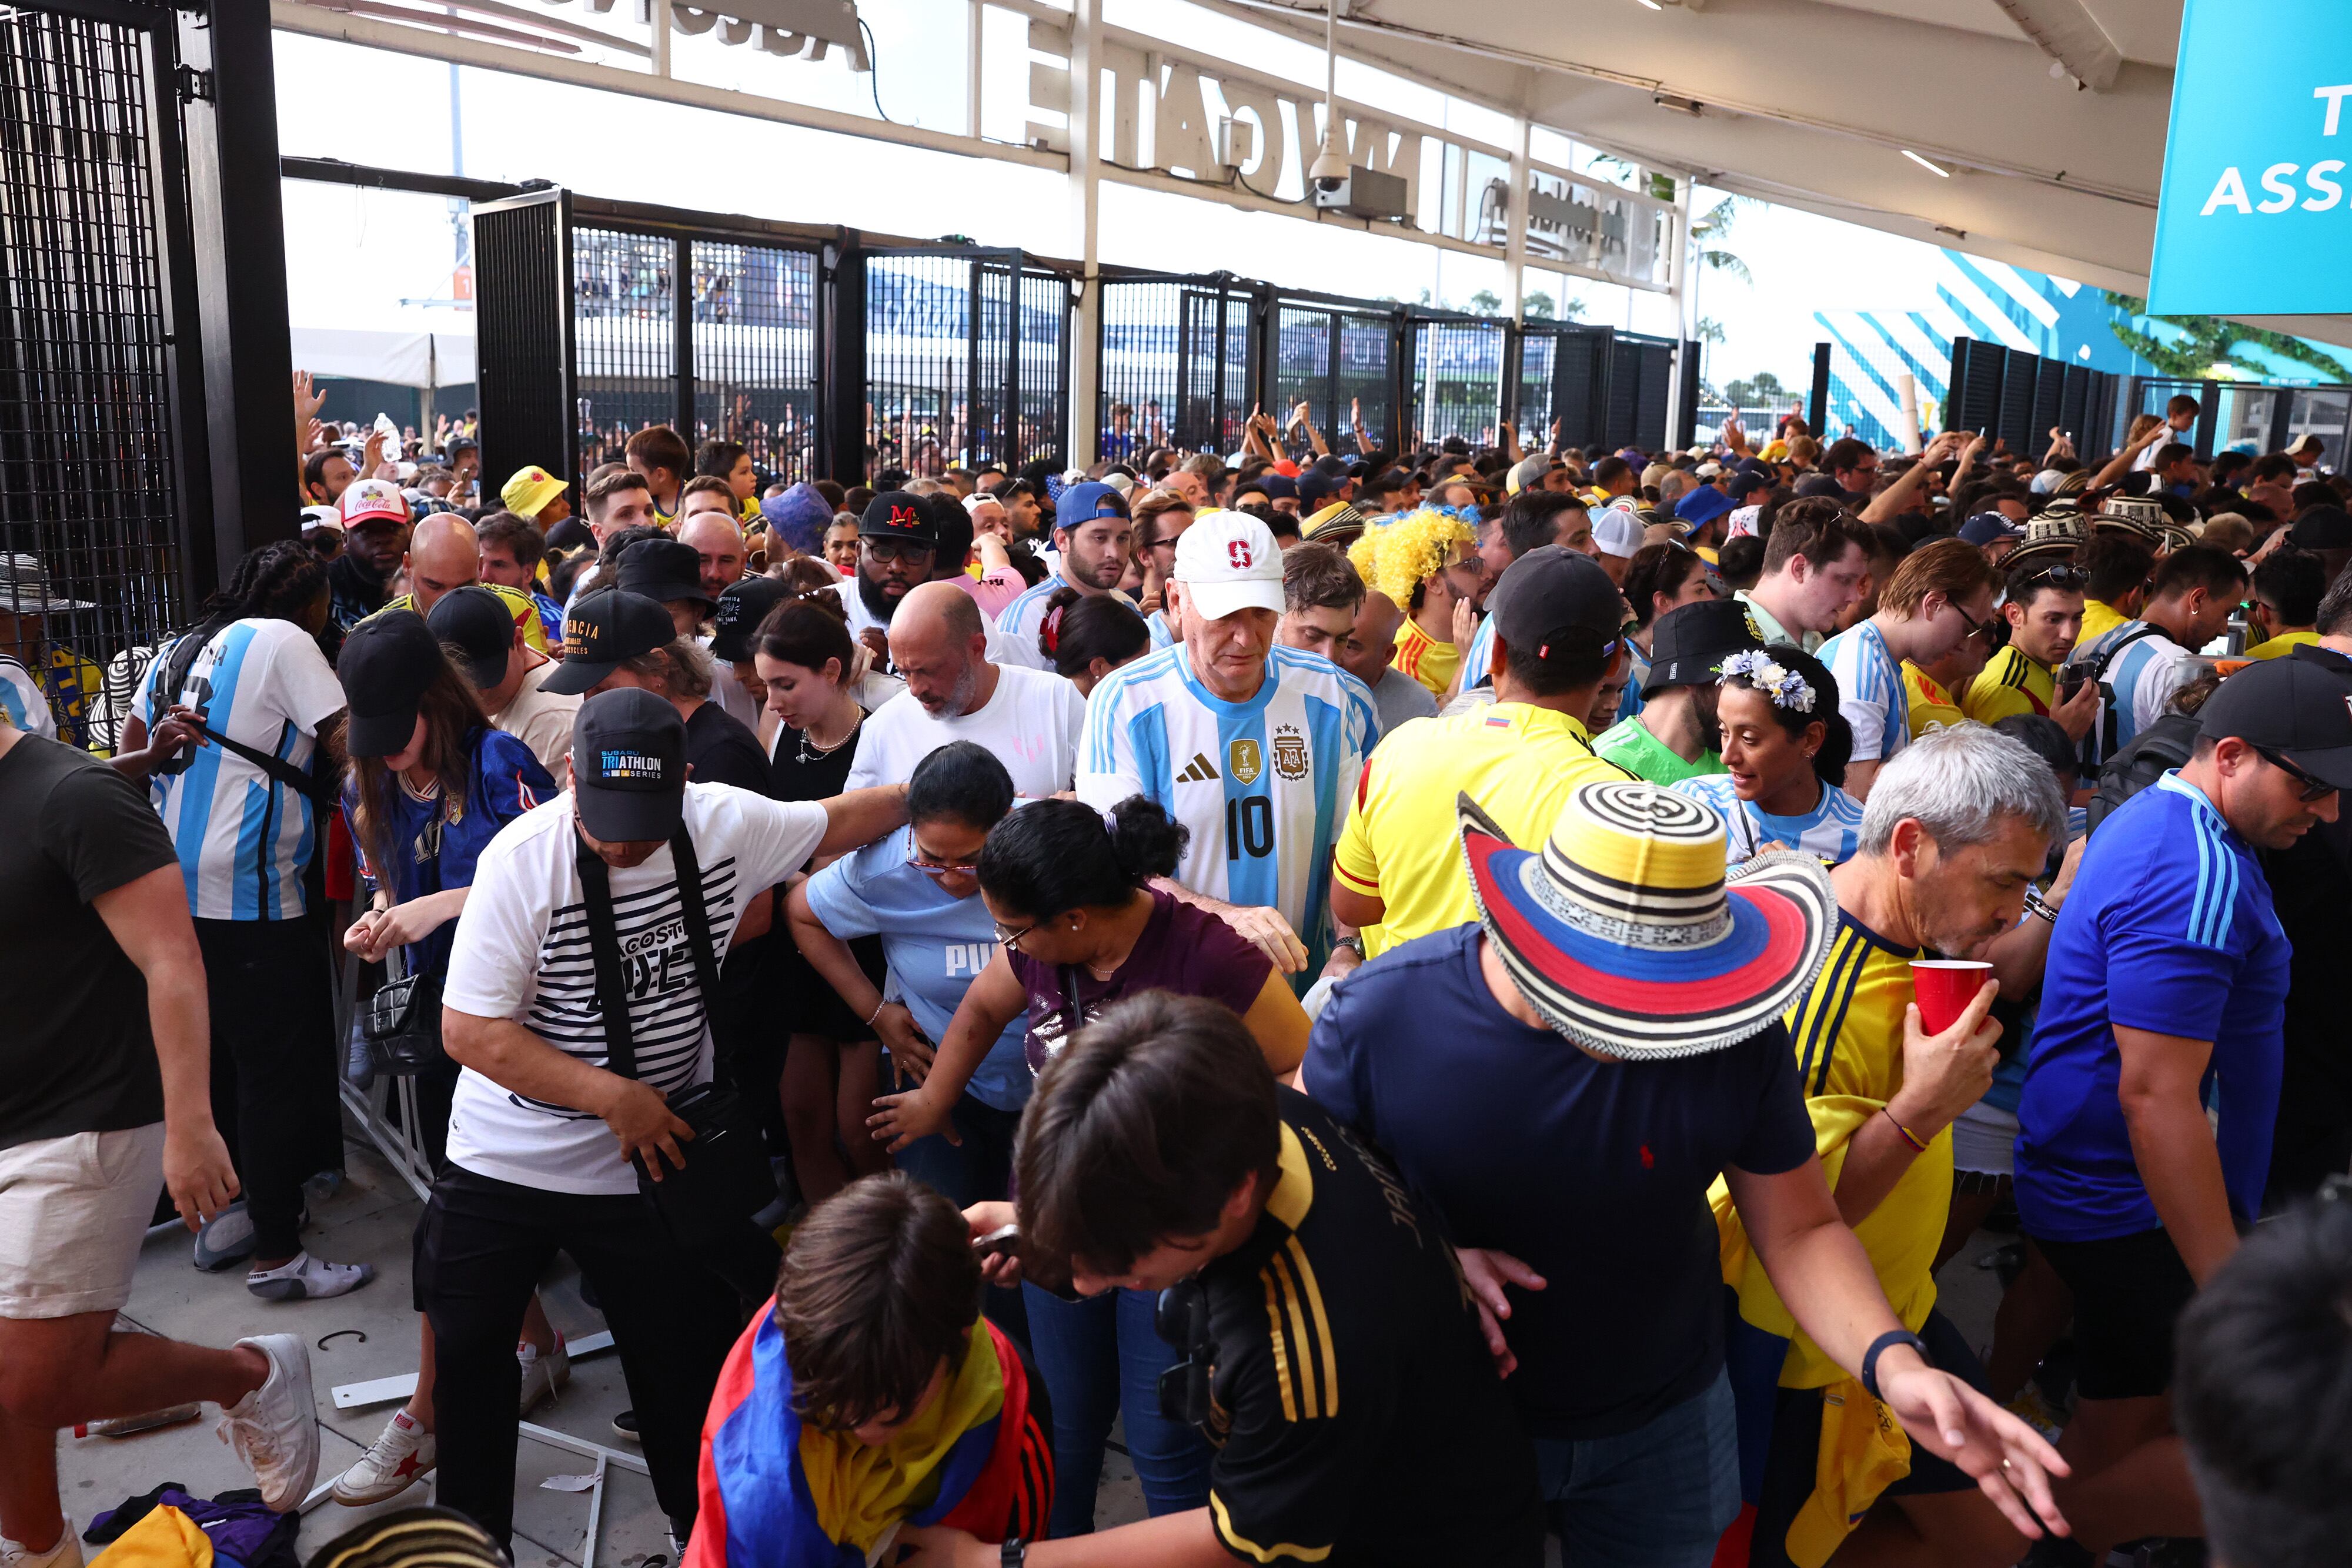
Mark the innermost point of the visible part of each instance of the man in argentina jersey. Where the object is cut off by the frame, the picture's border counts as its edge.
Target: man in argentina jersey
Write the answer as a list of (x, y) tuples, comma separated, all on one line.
[(244, 838), (2143, 663), (542, 1129), (1252, 748), (1096, 539), (1941, 597)]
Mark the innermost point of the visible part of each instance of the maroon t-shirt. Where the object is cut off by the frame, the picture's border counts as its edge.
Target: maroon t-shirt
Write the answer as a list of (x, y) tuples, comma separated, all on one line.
[(1183, 949)]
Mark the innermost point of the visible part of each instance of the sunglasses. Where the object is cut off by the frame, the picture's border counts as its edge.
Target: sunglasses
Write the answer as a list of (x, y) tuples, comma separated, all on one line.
[(1977, 628), (1180, 1317), (2313, 789), (2065, 579)]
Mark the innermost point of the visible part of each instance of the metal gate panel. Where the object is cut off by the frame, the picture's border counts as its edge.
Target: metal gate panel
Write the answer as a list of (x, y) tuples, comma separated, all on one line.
[(2015, 424), (2049, 402), (1340, 361), (1532, 403), (625, 335), (1580, 365), (755, 356), (522, 328), (955, 371), (1655, 369), (1144, 376), (1457, 380), (1617, 421), (88, 487)]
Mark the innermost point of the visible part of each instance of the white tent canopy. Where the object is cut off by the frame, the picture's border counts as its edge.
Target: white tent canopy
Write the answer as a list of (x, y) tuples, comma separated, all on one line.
[(402, 358)]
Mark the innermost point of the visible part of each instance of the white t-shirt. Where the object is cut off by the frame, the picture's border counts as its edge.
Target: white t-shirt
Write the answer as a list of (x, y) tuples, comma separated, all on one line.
[(521, 953), (541, 719), (242, 838), (1031, 724), (729, 693)]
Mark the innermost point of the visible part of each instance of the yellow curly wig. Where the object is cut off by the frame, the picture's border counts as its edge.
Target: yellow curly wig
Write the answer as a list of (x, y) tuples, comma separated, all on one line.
[(1396, 559)]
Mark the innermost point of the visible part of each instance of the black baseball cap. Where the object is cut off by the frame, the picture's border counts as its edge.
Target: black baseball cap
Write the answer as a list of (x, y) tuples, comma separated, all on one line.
[(895, 515), (1550, 589), (1317, 486), (1277, 487), (601, 629), (2297, 708), (1690, 641), (387, 661), (663, 569), (628, 765), (741, 608), (1746, 481), (477, 622)]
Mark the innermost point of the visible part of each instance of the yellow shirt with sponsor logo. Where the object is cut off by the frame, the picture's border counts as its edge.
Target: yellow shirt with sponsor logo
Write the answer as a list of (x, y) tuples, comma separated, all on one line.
[(2011, 684)]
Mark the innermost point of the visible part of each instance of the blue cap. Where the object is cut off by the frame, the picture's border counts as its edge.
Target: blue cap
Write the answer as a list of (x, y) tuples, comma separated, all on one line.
[(1990, 527), (1084, 503)]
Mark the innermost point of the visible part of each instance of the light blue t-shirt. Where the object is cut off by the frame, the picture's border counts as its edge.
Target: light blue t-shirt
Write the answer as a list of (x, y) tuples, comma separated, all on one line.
[(1829, 829), (935, 946)]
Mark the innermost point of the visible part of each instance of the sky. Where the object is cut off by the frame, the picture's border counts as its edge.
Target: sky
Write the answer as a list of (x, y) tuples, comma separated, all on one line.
[(354, 256)]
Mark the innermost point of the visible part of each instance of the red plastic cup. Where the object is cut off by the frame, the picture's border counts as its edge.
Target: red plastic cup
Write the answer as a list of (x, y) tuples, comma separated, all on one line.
[(1944, 987)]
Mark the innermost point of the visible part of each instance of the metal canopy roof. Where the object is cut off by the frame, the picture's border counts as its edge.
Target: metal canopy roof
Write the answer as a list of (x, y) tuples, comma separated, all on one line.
[(2048, 117)]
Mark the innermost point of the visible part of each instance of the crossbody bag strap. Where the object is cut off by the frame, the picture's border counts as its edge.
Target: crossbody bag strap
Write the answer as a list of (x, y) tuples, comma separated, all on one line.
[(698, 917), (604, 950), (276, 768)]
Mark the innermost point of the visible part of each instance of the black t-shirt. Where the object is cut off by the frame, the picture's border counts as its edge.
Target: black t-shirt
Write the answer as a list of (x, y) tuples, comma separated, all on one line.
[(1356, 1412), (721, 750), (1593, 1173), (821, 778), (77, 1055)]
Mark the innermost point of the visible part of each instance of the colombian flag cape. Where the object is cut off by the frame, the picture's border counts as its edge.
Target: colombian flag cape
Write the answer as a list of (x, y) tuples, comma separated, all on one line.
[(774, 1494)]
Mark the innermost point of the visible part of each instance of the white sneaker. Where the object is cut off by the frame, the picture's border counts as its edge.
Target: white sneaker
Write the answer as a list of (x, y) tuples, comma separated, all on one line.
[(542, 1374), (66, 1554), (400, 1456), (307, 1279), (274, 1429)]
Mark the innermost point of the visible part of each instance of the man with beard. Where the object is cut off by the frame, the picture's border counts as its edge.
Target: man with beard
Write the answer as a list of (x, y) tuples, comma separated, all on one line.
[(1094, 533), (375, 540), (895, 542), (1028, 719)]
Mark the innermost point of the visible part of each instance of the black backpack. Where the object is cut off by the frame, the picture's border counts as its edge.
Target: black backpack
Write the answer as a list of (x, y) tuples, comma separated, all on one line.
[(2153, 752)]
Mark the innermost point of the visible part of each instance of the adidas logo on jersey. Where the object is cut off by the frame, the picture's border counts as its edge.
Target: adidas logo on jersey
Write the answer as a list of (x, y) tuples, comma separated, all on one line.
[(1201, 770)]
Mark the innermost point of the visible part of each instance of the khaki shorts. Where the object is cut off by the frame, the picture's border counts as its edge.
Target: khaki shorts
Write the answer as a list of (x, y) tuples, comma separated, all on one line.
[(72, 1213)]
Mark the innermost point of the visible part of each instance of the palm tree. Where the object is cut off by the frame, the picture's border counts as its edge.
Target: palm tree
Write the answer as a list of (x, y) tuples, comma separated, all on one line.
[(2207, 340), (1707, 234)]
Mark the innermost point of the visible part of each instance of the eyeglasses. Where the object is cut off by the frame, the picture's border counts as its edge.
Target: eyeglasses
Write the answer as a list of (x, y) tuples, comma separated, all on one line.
[(895, 549), (2313, 789), (1011, 937), (1977, 628), (937, 869)]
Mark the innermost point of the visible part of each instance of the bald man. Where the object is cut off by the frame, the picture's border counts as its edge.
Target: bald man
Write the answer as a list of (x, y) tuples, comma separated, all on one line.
[(1365, 654), (443, 554), (717, 539), (1029, 719)]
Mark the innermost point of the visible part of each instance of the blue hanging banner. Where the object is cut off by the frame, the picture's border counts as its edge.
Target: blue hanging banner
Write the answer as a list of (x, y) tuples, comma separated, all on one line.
[(2255, 218)]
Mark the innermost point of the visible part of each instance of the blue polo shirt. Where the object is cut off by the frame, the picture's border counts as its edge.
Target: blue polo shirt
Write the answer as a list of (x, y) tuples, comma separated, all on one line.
[(1594, 1173), (935, 946), (2169, 929)]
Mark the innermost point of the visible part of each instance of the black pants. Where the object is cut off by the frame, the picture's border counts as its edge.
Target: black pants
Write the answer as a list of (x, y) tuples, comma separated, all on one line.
[(480, 1248), (273, 1065)]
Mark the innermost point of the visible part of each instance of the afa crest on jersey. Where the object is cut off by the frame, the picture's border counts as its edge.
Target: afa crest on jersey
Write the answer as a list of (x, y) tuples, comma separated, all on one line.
[(1291, 760)]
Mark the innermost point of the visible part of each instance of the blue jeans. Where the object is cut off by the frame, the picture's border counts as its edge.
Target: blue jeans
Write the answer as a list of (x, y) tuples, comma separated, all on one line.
[(1095, 1356), (1656, 1497)]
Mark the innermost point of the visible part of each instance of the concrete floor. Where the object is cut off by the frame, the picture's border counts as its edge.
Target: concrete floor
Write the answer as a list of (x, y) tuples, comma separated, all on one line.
[(371, 1219)]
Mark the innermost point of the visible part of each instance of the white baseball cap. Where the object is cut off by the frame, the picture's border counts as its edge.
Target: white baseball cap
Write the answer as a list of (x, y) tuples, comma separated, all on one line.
[(367, 499), (1229, 562), (1617, 533)]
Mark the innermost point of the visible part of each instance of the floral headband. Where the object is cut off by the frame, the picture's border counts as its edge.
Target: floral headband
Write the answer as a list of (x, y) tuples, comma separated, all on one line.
[(1783, 685)]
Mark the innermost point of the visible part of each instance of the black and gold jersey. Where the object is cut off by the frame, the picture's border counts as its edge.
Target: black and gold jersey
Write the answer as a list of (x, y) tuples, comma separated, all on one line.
[(1357, 1414)]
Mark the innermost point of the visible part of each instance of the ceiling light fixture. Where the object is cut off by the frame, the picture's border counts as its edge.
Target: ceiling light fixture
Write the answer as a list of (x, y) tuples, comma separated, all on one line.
[(1941, 173)]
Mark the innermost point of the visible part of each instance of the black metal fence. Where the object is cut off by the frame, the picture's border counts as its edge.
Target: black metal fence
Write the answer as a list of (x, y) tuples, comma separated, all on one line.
[(1179, 361), (94, 554), (1606, 389), (966, 356), (2020, 398), (1453, 379)]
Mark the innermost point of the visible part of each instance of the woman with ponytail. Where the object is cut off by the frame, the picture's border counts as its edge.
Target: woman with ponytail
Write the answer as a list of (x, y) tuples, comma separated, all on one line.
[(1785, 749), (1080, 927), (1085, 637)]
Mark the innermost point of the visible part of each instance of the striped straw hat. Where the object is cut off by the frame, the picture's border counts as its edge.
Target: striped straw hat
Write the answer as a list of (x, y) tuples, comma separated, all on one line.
[(1625, 934), (412, 1537)]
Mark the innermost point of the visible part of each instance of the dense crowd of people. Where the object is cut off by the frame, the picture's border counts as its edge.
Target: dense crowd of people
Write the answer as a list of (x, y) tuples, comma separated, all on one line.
[(1558, 948)]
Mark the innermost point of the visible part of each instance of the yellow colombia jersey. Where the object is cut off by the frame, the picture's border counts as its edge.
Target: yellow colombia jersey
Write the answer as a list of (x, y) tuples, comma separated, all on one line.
[(1427, 660), (1848, 1035), (1928, 703), (1400, 844), (2011, 684), (2284, 642), (2098, 620), (518, 605)]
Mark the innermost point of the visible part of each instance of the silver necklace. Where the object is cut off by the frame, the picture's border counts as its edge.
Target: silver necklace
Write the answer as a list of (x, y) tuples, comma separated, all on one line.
[(810, 751)]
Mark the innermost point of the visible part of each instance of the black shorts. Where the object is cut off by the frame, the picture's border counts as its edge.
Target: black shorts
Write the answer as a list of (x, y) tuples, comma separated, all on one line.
[(2128, 1291), (1793, 1462)]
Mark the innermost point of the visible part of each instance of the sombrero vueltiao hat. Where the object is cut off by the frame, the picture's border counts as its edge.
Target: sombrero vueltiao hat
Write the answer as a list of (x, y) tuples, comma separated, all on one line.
[(1337, 524), (2056, 535), (2138, 515), (1625, 934)]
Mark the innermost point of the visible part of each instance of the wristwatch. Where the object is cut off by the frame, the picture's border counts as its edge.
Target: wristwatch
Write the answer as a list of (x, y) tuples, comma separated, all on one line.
[(1016, 1552), (1355, 942), (1890, 1338)]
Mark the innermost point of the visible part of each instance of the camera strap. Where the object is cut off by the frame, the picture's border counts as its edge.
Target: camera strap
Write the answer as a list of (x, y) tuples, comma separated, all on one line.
[(604, 944)]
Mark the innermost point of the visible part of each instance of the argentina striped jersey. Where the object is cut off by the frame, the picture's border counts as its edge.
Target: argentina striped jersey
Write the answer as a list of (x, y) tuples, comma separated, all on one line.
[(1262, 784), (1019, 621), (1870, 695)]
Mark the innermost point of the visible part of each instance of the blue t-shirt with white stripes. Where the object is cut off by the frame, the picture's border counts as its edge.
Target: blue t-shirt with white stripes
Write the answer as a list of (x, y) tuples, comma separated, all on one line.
[(1870, 695), (2170, 929), (1830, 830)]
